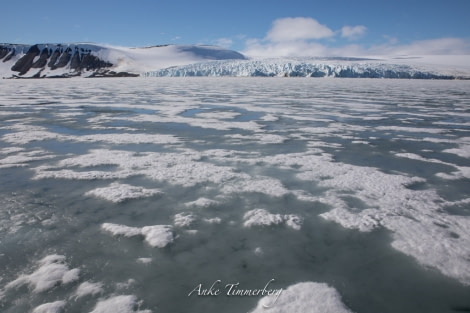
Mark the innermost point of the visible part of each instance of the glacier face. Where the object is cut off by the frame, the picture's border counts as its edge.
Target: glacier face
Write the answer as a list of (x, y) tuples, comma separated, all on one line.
[(307, 67)]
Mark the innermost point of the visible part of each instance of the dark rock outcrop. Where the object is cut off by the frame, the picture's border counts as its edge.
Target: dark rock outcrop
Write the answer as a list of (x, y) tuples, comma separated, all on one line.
[(24, 64), (48, 57)]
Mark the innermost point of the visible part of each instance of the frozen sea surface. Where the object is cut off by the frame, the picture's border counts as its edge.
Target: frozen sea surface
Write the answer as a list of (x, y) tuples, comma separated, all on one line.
[(136, 195)]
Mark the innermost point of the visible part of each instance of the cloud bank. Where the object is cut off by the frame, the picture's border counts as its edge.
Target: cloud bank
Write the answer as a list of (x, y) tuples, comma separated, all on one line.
[(305, 36), (297, 28)]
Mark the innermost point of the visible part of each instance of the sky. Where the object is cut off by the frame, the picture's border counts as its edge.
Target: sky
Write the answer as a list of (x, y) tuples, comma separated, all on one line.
[(267, 28)]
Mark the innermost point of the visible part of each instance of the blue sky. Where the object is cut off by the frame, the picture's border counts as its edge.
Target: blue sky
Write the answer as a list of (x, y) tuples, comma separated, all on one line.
[(256, 27)]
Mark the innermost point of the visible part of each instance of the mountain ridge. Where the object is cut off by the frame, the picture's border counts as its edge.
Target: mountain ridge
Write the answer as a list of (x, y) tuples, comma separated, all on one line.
[(49, 60)]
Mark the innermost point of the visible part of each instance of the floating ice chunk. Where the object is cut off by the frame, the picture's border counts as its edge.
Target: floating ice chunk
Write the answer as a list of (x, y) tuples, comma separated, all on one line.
[(51, 307), (259, 251), (22, 158), (293, 221), (86, 288), (25, 137), (215, 220), (261, 217), (201, 203), (266, 185), (182, 220), (127, 138), (461, 173), (52, 271), (261, 138), (126, 285), (463, 151), (224, 115), (303, 297), (28, 135), (121, 230), (43, 172), (117, 192), (9, 150), (412, 129), (269, 118), (158, 235), (175, 168), (119, 304), (144, 260)]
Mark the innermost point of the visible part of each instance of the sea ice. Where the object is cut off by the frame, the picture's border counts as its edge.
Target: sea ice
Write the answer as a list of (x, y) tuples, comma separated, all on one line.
[(117, 192), (52, 271), (183, 220), (119, 304), (202, 203), (157, 235), (304, 297), (51, 307), (87, 288), (261, 217)]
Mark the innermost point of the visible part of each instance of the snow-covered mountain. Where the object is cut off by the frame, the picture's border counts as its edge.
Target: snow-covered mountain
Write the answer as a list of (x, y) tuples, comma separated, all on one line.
[(91, 60), (419, 67)]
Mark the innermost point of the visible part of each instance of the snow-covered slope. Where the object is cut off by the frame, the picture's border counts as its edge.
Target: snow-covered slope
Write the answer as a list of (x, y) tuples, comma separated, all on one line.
[(422, 67), (91, 60)]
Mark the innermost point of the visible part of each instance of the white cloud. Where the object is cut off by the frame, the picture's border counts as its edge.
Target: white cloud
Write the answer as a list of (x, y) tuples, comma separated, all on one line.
[(297, 28), (290, 37), (439, 46), (256, 48), (353, 32), (224, 42)]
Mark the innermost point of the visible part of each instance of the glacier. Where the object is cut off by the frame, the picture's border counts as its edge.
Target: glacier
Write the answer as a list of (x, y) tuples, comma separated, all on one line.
[(310, 67)]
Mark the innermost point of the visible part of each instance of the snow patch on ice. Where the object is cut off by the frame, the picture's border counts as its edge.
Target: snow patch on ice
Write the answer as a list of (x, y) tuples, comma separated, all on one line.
[(22, 158), (214, 220), (157, 235), (119, 304), (52, 271), (121, 230), (144, 260), (304, 297), (261, 217), (224, 115), (266, 185), (202, 203), (51, 307), (117, 192), (183, 220), (88, 289)]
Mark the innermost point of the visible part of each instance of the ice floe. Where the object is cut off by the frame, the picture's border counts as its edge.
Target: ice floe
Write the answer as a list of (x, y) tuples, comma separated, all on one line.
[(202, 203), (304, 297), (22, 158), (51, 307), (52, 270), (88, 289), (119, 304), (184, 220), (117, 192), (156, 235), (261, 217)]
